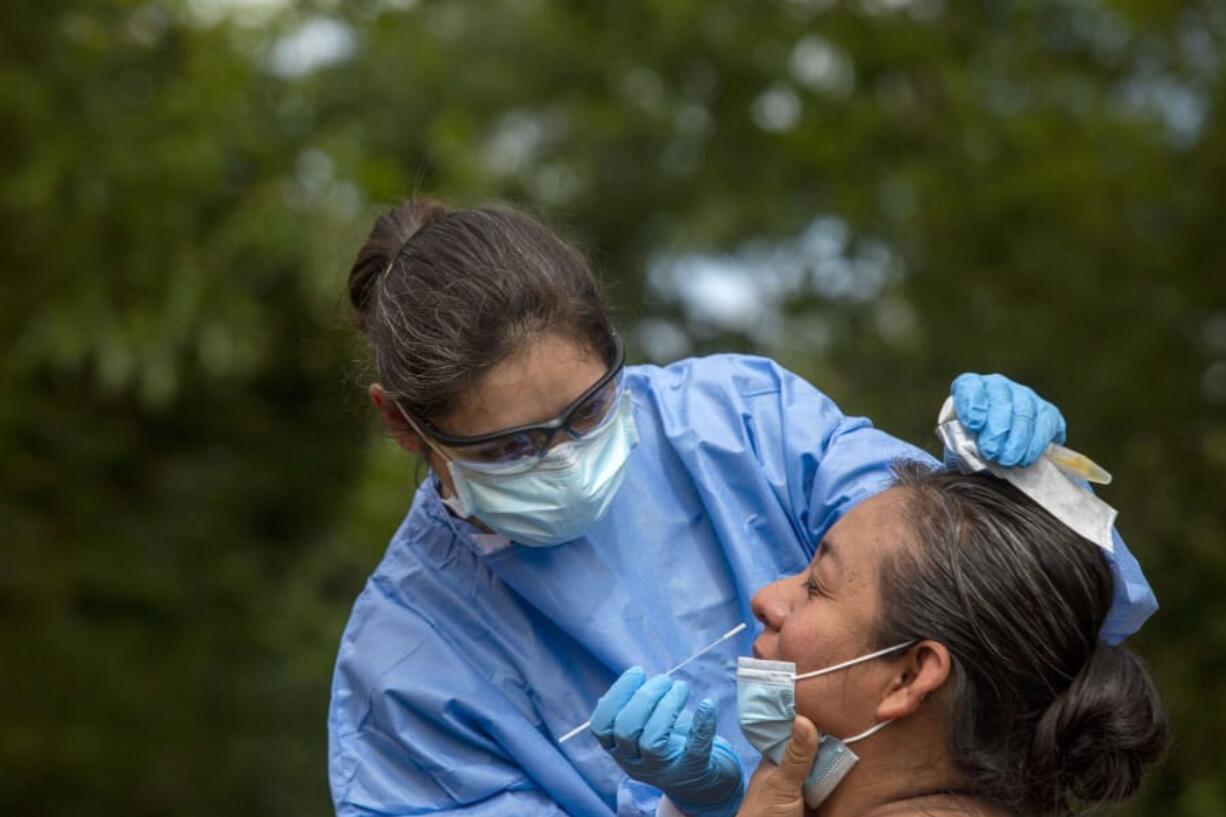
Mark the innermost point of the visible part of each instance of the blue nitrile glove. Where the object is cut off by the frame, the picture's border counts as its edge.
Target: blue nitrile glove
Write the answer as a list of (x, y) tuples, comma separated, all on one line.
[(1013, 425), (643, 726)]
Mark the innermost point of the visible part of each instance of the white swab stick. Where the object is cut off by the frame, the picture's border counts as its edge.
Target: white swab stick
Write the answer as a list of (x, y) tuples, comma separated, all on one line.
[(574, 731), (703, 651), (709, 647)]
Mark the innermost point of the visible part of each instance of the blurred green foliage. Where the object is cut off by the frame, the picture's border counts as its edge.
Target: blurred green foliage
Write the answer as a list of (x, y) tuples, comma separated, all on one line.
[(880, 193)]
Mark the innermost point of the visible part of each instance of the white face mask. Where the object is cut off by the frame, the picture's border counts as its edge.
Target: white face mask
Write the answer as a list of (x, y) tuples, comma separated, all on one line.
[(766, 707), (560, 499)]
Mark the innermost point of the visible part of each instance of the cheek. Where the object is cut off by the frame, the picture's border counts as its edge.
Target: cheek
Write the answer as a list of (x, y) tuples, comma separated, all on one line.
[(840, 703), (799, 643), (811, 642), (816, 637), (835, 704)]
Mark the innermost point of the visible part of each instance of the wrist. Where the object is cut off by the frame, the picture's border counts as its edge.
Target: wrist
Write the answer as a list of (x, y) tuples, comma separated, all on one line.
[(724, 807)]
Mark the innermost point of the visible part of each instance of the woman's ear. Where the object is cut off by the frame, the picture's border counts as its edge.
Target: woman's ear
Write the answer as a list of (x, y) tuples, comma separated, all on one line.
[(919, 674), (395, 423)]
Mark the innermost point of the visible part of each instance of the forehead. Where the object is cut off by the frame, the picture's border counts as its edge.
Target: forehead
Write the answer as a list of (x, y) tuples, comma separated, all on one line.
[(870, 531), (533, 385)]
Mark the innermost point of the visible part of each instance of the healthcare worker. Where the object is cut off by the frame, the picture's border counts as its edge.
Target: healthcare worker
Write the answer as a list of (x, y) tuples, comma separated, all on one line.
[(580, 517)]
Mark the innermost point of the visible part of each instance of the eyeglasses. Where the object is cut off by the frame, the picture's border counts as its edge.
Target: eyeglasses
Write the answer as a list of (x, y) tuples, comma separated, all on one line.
[(520, 448)]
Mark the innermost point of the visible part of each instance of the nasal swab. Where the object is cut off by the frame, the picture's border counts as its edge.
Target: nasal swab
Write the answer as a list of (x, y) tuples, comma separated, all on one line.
[(709, 647), (703, 651)]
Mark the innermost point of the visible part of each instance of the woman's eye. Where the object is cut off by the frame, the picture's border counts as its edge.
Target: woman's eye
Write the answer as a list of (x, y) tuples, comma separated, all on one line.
[(498, 452), (814, 588), (590, 412)]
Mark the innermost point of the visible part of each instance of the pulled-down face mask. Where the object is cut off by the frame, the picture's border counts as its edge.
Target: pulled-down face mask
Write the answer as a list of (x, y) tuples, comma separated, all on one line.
[(766, 707)]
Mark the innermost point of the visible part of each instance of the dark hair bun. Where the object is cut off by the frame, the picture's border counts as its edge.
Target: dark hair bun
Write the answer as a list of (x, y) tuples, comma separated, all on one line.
[(1095, 740), (392, 231)]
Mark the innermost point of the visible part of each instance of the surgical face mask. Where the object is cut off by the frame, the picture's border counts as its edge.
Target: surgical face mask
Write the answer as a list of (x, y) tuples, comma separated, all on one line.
[(566, 493), (766, 707)]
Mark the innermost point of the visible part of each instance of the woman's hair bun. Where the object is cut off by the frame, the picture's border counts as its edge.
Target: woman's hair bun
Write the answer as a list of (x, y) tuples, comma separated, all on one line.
[(1095, 740), (392, 231)]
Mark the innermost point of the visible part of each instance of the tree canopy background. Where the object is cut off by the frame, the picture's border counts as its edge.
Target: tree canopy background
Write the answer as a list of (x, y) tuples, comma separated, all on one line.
[(880, 193)]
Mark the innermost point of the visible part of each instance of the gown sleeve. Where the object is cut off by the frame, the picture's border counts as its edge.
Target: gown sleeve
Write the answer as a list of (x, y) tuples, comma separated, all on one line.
[(417, 729), (822, 460)]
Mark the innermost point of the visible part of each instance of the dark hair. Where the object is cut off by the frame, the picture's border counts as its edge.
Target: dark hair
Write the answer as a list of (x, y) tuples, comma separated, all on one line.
[(1044, 718), (443, 295)]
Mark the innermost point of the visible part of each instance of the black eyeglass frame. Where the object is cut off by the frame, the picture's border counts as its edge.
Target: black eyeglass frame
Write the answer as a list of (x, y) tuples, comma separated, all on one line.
[(549, 429)]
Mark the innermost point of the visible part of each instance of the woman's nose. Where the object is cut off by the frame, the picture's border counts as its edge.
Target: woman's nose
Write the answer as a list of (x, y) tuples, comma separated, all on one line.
[(771, 605)]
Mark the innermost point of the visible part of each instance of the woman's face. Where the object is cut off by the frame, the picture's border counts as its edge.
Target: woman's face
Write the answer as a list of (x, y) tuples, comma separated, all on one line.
[(534, 385), (826, 615)]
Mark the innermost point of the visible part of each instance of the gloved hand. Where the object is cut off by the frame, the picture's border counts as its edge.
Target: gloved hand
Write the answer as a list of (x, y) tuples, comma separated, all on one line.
[(643, 726), (1013, 425)]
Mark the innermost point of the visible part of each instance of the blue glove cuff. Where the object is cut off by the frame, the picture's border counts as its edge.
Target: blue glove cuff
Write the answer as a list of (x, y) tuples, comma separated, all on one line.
[(727, 808)]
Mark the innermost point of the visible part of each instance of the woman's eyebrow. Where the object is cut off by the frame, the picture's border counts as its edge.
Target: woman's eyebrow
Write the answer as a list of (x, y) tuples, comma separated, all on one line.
[(834, 567), (827, 547)]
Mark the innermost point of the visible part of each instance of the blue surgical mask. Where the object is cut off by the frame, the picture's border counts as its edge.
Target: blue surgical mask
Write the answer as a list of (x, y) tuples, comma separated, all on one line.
[(560, 499), (766, 707)]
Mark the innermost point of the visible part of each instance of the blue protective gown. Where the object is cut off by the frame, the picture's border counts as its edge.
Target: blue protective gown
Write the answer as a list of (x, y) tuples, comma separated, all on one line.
[(461, 664)]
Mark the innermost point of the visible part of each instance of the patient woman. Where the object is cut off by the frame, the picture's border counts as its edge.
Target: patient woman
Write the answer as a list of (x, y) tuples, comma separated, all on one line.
[(999, 698)]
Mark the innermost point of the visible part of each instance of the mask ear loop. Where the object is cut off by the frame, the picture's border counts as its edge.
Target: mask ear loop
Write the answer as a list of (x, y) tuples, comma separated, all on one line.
[(853, 662), (872, 730), (455, 503), (425, 437)]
